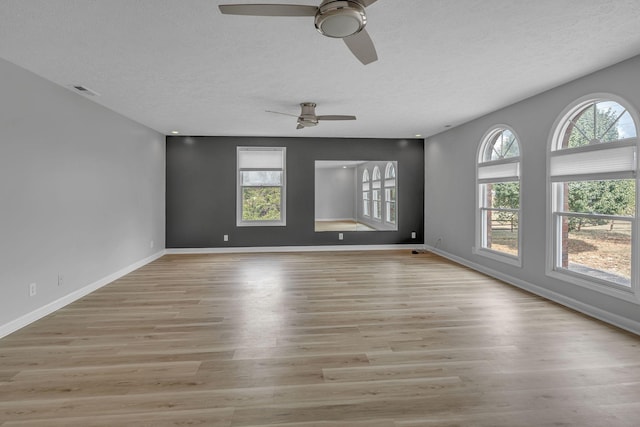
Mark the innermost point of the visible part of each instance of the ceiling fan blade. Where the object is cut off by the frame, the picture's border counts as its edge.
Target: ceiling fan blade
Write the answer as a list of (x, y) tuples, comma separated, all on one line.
[(367, 3), (336, 117), (268, 9), (299, 126), (361, 45), (284, 114)]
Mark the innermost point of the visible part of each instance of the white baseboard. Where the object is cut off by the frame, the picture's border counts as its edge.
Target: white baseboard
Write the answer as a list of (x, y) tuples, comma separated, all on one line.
[(258, 249), (49, 308), (605, 316)]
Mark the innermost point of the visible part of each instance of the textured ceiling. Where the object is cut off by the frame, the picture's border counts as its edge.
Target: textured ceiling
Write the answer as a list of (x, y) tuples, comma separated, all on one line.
[(181, 65)]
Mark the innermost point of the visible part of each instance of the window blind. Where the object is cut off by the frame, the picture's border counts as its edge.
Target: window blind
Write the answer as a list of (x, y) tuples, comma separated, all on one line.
[(502, 171), (609, 160), (260, 159)]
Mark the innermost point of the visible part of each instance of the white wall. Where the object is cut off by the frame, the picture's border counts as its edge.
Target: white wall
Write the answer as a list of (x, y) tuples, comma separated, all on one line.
[(450, 160), (81, 194), (335, 193)]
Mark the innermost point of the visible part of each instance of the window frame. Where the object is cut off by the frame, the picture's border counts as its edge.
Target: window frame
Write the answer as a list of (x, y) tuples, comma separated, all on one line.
[(239, 188), (388, 201), (376, 203), (555, 198), (366, 194), (513, 163)]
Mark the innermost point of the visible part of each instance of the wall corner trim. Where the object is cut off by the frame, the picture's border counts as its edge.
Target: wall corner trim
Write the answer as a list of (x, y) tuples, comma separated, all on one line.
[(597, 313), (53, 306)]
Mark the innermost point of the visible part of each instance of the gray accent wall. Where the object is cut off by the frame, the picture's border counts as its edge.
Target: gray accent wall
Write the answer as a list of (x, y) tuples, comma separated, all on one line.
[(81, 191), (450, 202), (201, 191)]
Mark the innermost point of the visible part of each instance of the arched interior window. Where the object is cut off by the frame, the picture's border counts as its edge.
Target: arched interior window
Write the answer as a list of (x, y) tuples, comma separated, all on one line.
[(366, 191), (498, 217), (592, 169), (376, 182), (390, 193)]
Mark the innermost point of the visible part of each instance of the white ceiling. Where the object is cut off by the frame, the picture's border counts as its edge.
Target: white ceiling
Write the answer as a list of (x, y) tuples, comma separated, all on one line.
[(181, 65)]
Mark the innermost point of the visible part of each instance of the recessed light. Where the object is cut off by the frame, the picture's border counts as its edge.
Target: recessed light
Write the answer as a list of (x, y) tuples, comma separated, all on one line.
[(174, 132), (418, 135)]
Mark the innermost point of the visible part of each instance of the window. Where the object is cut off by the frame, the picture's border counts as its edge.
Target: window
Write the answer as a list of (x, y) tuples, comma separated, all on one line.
[(377, 195), (365, 193), (390, 193), (261, 186), (592, 174), (498, 178)]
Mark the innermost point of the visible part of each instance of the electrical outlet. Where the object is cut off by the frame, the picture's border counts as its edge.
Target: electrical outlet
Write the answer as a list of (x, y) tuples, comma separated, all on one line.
[(225, 237), (60, 280), (340, 236), (413, 234), (32, 289)]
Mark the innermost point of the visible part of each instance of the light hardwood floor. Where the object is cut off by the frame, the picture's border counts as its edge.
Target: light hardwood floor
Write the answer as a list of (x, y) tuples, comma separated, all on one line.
[(341, 226), (363, 339)]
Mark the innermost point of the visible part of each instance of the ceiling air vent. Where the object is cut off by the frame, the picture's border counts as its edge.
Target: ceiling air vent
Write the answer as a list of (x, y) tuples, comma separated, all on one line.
[(84, 90)]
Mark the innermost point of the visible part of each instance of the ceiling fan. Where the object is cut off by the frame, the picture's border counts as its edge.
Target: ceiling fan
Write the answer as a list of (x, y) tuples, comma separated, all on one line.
[(338, 19), (308, 118)]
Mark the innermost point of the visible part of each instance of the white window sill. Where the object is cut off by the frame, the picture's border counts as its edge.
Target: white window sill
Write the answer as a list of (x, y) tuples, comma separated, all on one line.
[(577, 279)]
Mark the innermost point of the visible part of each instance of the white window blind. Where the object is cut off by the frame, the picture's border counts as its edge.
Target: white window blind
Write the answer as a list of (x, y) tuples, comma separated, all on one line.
[(260, 158), (502, 171), (609, 160)]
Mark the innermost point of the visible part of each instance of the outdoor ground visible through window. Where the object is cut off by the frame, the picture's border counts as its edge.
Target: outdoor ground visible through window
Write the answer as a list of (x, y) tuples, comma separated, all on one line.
[(594, 247), (504, 239), (602, 247)]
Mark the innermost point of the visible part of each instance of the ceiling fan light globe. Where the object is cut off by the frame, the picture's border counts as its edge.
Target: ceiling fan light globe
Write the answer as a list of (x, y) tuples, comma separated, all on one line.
[(339, 26), (340, 19)]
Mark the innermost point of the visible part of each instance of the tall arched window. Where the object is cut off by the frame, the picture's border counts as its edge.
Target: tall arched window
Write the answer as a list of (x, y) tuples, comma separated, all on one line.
[(498, 177), (592, 174), (365, 194), (390, 193), (376, 193)]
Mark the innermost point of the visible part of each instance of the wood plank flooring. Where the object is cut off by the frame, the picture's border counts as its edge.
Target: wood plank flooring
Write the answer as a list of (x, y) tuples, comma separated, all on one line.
[(362, 339), (341, 226)]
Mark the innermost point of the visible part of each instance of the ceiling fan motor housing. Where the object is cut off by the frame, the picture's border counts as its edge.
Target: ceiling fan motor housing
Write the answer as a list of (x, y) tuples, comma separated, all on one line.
[(307, 116), (340, 19)]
